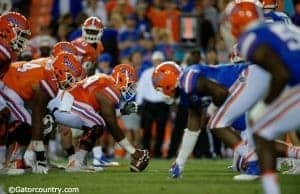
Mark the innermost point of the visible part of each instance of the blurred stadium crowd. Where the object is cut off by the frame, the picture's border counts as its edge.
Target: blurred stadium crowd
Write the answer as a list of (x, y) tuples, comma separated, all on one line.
[(142, 33)]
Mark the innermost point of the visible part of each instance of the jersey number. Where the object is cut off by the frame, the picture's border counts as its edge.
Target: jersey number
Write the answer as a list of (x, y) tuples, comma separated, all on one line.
[(289, 34), (28, 66)]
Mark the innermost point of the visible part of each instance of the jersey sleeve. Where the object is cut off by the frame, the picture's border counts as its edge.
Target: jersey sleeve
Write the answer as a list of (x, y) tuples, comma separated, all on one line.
[(188, 81), (112, 94), (5, 59), (47, 88), (248, 43)]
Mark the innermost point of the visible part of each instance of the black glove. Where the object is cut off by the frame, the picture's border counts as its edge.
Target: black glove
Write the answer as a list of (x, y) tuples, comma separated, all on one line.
[(129, 107)]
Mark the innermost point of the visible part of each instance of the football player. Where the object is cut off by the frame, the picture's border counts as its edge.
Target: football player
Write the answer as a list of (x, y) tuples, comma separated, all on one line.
[(270, 13), (14, 33), (89, 44), (226, 86), (91, 104), (283, 149), (32, 85), (229, 88), (276, 48)]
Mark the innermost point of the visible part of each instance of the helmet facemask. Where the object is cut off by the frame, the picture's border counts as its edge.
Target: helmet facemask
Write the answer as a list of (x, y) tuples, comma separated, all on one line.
[(21, 40), (91, 34), (125, 80), (128, 92), (68, 82)]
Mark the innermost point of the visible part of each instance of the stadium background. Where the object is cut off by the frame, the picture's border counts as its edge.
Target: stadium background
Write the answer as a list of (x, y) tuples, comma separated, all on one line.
[(158, 30), (185, 31)]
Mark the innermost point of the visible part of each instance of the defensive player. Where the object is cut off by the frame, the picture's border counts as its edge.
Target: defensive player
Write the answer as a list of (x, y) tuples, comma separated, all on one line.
[(270, 13), (39, 84), (223, 85), (91, 104), (276, 48), (229, 87)]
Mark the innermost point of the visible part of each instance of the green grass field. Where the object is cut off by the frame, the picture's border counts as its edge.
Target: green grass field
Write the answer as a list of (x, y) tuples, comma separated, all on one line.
[(200, 176)]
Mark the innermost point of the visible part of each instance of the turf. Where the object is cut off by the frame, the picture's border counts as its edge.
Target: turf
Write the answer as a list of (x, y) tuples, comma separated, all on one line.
[(200, 176)]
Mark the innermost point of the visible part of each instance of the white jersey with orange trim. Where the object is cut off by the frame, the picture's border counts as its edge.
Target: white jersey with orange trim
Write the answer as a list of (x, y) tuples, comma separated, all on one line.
[(84, 109)]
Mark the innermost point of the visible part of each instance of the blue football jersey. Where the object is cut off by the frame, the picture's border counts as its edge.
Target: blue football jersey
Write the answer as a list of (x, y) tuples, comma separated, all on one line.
[(276, 16), (281, 38), (224, 75)]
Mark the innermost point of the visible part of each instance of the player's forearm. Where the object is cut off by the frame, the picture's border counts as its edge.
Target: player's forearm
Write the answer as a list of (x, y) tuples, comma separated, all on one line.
[(39, 104), (209, 88)]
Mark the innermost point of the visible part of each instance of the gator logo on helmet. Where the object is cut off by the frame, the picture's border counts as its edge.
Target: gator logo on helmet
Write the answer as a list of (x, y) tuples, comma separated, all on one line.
[(70, 66)]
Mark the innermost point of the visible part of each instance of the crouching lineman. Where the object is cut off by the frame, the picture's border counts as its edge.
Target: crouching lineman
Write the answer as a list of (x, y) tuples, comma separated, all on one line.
[(90, 106), (32, 85), (229, 88), (198, 86)]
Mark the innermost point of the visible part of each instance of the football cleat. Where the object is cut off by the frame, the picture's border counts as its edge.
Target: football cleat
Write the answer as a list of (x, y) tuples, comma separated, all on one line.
[(76, 164), (16, 167), (15, 164), (252, 172), (37, 166), (175, 171), (104, 162)]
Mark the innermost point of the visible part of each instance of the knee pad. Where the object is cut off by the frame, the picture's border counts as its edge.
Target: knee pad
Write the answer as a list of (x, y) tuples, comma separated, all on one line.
[(19, 132), (89, 137)]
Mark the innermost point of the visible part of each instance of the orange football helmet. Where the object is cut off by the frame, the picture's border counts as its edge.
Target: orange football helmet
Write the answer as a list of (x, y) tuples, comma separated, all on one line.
[(64, 46), (125, 79), (67, 70), (241, 15), (165, 77), (6, 31), (269, 4), (20, 26), (92, 30)]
